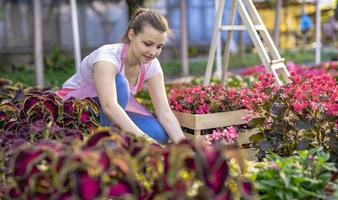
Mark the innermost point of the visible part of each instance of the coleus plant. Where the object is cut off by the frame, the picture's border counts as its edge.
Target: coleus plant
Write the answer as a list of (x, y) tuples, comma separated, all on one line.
[(299, 115), (42, 115), (118, 165), (10, 92), (48, 107)]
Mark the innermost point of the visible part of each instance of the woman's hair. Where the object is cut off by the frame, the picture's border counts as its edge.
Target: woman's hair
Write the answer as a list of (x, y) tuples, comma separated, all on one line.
[(143, 17)]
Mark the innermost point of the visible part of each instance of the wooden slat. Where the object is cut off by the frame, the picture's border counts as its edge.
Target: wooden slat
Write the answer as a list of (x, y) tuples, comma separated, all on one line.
[(210, 120), (215, 120), (185, 119)]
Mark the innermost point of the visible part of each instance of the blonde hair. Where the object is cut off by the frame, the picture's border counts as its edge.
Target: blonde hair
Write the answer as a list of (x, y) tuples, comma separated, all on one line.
[(143, 17)]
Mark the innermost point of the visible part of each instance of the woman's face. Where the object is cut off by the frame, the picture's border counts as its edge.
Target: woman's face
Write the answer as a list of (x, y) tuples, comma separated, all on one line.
[(146, 45)]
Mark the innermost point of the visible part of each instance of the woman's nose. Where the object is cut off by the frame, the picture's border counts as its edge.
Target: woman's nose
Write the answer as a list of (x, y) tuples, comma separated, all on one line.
[(153, 51)]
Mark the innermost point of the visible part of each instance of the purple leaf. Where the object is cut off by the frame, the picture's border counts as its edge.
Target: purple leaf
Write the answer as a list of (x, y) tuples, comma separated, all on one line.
[(247, 188), (50, 96), (30, 102), (118, 190), (87, 187), (190, 163), (11, 126), (85, 117), (22, 114), (166, 161), (68, 122), (68, 107), (23, 161), (53, 109), (104, 161), (60, 161), (215, 169), (14, 193), (96, 138)]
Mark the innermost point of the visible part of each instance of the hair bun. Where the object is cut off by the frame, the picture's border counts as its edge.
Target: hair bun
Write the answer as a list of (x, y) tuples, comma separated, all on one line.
[(139, 11)]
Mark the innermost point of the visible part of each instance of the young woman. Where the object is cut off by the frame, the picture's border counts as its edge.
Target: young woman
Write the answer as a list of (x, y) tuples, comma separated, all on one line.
[(113, 74)]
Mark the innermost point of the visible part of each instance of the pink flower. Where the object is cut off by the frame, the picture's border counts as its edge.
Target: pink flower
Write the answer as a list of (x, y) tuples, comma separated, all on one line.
[(298, 107), (332, 109), (227, 135)]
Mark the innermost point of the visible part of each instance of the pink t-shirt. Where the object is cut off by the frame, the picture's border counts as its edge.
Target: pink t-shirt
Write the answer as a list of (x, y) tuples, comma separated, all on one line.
[(109, 53)]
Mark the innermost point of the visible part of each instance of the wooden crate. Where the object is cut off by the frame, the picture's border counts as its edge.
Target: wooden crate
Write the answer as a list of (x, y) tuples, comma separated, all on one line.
[(243, 141), (198, 122)]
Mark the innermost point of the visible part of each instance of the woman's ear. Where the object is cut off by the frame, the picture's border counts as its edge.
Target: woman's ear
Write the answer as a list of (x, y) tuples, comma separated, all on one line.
[(131, 34)]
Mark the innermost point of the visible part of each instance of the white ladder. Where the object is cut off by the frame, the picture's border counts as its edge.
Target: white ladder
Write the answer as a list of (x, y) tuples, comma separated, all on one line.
[(258, 34)]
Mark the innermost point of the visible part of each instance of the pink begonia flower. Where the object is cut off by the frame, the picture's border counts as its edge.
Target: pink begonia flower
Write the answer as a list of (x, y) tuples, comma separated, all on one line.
[(189, 99), (332, 109), (232, 134), (298, 107), (227, 135)]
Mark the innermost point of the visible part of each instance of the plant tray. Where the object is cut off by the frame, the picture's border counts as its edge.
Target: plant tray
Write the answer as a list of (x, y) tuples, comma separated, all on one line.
[(198, 122)]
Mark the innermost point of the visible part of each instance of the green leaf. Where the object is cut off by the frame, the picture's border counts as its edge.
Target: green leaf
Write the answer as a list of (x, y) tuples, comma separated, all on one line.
[(256, 137), (256, 122), (285, 178)]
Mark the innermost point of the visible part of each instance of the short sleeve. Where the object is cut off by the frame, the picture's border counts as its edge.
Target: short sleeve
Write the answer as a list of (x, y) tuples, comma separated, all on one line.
[(107, 53), (152, 69)]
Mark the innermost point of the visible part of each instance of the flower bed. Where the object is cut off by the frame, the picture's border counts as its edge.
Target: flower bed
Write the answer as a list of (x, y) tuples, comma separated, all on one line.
[(300, 115)]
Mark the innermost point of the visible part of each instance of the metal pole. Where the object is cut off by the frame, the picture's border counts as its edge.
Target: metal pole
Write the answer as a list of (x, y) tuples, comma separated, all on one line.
[(277, 22), (38, 51), (76, 35), (184, 40), (218, 72), (318, 32)]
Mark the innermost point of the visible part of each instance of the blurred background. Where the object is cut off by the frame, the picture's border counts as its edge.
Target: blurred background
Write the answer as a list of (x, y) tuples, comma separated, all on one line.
[(291, 24)]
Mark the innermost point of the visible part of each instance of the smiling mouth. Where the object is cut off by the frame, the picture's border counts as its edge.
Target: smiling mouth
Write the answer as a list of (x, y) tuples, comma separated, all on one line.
[(149, 58)]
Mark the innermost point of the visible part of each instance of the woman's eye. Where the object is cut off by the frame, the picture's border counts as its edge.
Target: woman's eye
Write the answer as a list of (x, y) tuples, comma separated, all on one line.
[(147, 44)]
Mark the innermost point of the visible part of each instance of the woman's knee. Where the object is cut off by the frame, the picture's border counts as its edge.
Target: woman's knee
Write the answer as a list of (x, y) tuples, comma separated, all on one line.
[(159, 133), (151, 126)]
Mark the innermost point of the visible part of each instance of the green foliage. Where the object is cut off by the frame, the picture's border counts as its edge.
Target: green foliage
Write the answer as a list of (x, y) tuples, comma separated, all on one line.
[(2, 12), (58, 60), (305, 175)]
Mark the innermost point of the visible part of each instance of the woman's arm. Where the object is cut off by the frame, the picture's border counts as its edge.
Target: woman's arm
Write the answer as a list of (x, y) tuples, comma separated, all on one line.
[(162, 109), (104, 79)]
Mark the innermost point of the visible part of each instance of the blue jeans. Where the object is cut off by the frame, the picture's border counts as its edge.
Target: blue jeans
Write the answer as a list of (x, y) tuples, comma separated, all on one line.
[(148, 124)]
